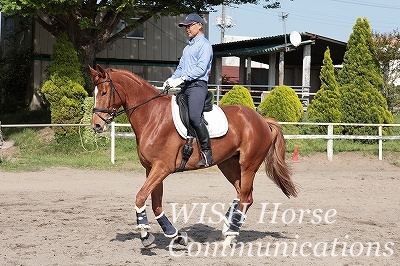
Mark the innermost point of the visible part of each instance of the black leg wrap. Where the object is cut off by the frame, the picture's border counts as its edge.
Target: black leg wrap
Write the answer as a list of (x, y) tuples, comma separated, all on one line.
[(141, 219), (168, 229), (234, 206), (187, 150), (236, 223)]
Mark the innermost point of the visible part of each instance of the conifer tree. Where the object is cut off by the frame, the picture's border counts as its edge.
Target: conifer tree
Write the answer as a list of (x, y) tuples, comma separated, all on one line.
[(360, 80), (325, 107), (64, 88)]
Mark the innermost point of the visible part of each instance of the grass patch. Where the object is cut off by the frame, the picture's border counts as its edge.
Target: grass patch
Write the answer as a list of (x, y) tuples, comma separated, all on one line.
[(37, 149)]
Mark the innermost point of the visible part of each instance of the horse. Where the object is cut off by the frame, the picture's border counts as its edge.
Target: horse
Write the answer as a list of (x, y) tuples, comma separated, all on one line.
[(250, 140)]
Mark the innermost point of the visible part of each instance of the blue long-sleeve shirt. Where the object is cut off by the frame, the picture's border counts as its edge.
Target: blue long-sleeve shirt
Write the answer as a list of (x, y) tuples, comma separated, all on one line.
[(196, 60)]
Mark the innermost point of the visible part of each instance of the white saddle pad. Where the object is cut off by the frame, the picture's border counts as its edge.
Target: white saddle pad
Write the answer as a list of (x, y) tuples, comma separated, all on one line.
[(216, 119)]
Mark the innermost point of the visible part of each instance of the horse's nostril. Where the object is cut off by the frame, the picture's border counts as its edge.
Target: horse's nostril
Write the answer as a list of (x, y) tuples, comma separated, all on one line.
[(97, 128)]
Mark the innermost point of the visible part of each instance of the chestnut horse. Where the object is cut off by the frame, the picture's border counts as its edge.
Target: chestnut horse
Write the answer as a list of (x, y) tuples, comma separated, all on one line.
[(250, 140)]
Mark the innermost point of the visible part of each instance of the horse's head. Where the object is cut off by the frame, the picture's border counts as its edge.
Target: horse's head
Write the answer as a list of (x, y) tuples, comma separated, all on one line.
[(107, 101)]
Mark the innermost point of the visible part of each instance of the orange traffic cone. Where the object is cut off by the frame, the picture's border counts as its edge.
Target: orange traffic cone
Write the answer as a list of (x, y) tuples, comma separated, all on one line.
[(295, 157)]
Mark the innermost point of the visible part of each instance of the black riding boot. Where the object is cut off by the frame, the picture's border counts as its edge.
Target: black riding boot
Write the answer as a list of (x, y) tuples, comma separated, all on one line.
[(203, 138)]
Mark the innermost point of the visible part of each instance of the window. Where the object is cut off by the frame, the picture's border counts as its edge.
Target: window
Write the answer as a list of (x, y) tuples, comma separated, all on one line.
[(134, 34)]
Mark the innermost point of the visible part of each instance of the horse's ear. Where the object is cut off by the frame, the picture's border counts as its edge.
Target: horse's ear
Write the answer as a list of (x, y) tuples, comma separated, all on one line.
[(101, 71), (93, 72)]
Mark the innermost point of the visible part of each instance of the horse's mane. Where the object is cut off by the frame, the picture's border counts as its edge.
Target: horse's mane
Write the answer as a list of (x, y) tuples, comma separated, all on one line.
[(135, 78)]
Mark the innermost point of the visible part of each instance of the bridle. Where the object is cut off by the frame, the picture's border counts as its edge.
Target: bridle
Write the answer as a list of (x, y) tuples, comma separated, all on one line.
[(113, 111)]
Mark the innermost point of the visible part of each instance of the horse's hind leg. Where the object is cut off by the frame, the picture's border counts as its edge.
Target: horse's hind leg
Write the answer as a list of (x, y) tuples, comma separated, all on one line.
[(231, 170), (242, 179)]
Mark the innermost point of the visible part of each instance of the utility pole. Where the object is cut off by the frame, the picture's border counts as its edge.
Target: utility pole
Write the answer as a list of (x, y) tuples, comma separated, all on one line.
[(224, 22), (284, 16)]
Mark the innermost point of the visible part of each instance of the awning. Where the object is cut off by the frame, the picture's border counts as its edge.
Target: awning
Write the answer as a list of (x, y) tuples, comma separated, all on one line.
[(258, 50)]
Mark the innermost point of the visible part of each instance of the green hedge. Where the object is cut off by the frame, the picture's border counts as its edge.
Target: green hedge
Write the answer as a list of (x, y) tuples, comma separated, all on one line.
[(238, 95), (283, 104)]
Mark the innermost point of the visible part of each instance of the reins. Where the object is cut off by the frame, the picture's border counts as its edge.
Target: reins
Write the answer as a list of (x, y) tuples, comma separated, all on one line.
[(114, 112)]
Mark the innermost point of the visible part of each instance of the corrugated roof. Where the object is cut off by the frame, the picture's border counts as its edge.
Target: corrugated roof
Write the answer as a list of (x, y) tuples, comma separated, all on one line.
[(257, 50)]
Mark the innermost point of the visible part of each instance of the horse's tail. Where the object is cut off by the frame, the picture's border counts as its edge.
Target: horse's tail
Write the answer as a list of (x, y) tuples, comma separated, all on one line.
[(275, 164)]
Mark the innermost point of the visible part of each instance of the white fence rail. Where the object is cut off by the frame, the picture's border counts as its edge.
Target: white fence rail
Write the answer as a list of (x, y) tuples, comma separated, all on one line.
[(330, 137)]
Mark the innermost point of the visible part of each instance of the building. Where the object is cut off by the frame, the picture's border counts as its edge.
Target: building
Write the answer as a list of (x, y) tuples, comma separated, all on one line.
[(297, 65), (154, 54)]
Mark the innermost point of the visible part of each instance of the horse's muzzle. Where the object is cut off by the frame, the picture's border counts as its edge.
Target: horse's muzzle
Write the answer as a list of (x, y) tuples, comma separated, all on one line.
[(99, 127)]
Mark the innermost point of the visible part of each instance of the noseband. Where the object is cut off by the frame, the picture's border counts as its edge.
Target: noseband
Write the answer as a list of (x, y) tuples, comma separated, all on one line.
[(113, 111)]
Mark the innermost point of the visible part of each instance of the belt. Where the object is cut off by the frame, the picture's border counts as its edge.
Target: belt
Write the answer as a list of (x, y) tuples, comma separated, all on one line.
[(195, 80)]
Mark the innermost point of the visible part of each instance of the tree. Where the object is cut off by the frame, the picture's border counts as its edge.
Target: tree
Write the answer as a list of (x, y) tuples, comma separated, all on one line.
[(387, 53), (358, 61), (360, 80), (91, 24), (325, 107)]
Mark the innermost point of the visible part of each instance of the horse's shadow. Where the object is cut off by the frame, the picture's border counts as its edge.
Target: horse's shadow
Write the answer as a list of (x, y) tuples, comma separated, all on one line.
[(199, 233)]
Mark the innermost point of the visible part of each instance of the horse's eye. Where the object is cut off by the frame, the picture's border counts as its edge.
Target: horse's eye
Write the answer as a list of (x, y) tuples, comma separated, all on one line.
[(103, 93)]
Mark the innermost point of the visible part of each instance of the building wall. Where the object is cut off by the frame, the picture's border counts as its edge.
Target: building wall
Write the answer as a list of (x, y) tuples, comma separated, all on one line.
[(163, 42)]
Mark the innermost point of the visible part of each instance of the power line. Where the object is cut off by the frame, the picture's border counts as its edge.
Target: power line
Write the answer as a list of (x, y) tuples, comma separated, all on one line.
[(360, 3)]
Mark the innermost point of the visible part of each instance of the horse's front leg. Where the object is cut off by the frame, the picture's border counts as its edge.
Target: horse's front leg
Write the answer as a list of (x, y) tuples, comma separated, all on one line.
[(152, 183), (168, 228), (154, 186), (143, 226)]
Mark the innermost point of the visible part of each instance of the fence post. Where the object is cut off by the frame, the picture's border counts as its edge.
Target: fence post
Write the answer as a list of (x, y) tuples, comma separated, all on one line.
[(1, 137), (329, 148), (380, 142), (218, 94), (112, 142)]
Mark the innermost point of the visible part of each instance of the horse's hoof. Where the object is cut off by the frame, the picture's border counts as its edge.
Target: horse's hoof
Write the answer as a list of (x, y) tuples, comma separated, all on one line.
[(147, 240), (182, 239), (229, 240)]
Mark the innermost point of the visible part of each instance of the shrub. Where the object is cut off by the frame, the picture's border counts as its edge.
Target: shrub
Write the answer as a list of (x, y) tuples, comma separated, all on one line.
[(14, 83), (15, 64), (283, 104), (64, 88), (238, 95)]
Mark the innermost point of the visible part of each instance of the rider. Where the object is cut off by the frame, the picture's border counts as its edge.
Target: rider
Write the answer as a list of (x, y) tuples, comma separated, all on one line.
[(192, 76)]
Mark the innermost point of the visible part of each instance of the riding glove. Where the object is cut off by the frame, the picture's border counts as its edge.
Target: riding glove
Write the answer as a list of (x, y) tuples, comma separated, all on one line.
[(175, 82), (167, 83)]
